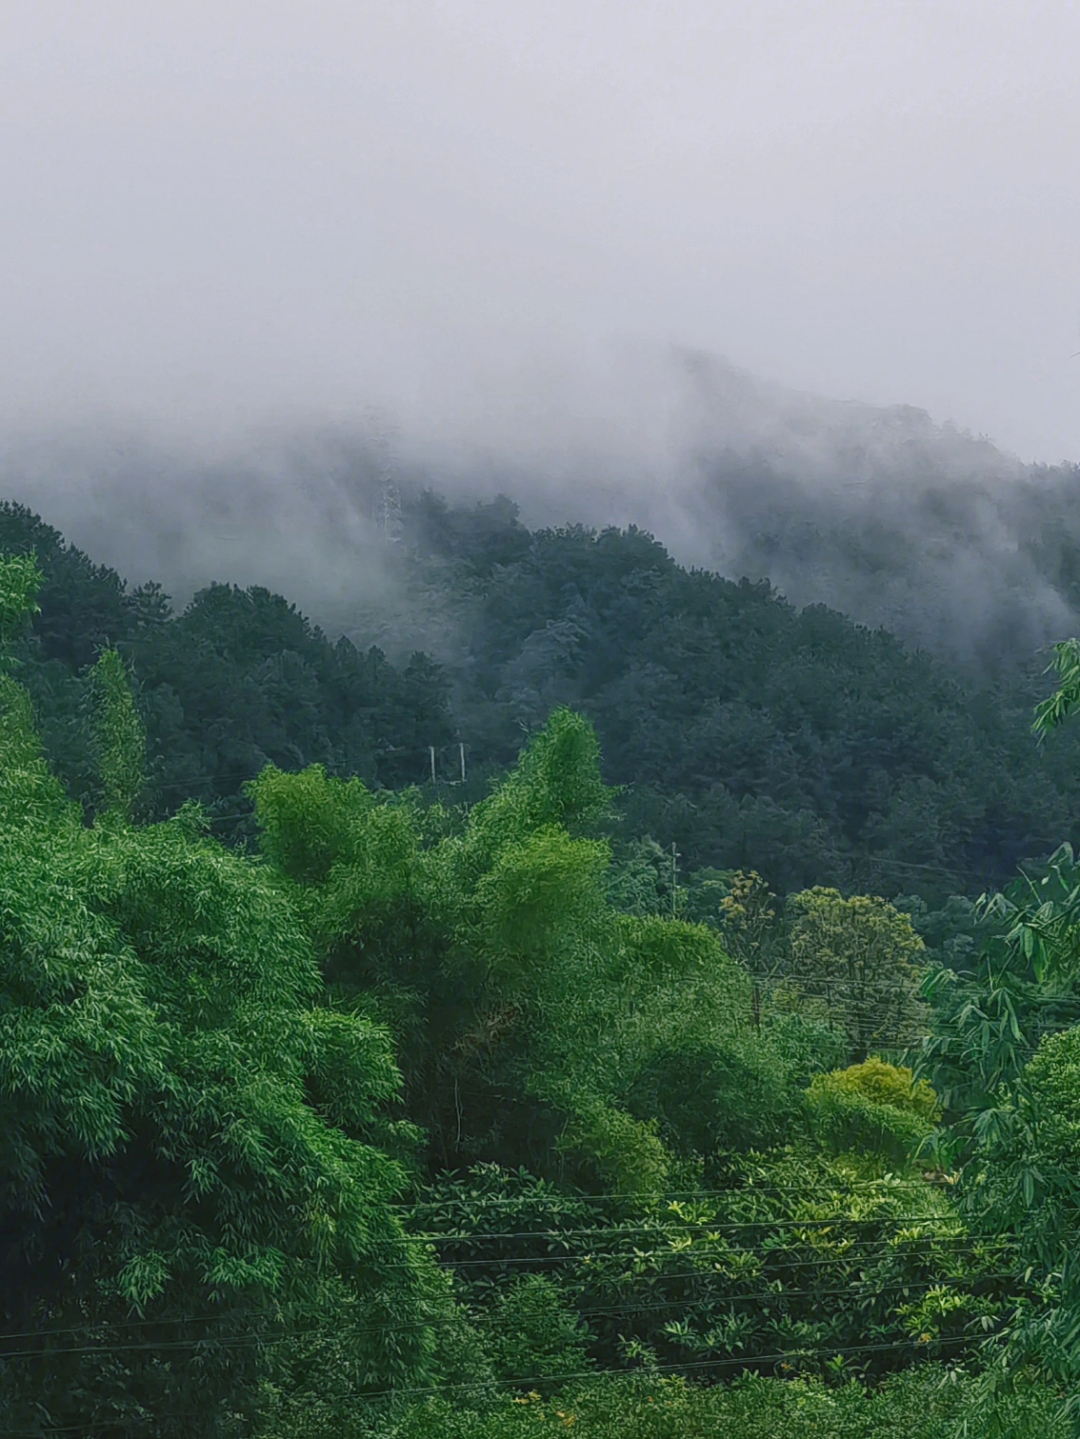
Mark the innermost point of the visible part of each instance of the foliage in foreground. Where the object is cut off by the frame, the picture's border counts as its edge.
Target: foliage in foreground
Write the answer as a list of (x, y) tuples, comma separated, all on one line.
[(924, 1403), (194, 1148)]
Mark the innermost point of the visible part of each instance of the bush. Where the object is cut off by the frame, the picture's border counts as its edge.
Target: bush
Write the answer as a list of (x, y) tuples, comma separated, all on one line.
[(873, 1108), (804, 1045), (714, 1096), (607, 1149), (535, 1335)]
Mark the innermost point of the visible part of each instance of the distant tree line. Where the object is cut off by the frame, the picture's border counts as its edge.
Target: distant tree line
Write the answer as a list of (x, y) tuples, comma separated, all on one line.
[(747, 733)]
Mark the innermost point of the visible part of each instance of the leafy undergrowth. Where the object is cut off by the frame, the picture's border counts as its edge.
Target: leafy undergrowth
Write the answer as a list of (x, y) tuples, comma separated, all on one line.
[(924, 1403)]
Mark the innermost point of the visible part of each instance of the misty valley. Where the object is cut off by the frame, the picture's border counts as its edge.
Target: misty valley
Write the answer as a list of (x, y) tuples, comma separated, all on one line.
[(591, 994)]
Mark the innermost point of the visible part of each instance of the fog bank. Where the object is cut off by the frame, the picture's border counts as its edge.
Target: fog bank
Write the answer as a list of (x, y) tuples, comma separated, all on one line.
[(880, 512)]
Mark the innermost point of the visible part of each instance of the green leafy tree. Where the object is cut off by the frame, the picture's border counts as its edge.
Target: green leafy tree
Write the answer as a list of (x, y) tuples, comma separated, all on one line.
[(988, 1017), (1056, 708), (797, 1255), (20, 581), (1007, 1061), (536, 1337), (872, 1108), (1025, 1182), (753, 932), (748, 917), (859, 958), (539, 1025), (749, 733)]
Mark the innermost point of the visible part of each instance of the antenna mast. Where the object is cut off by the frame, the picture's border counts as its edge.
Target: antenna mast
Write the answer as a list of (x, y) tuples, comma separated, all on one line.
[(388, 512)]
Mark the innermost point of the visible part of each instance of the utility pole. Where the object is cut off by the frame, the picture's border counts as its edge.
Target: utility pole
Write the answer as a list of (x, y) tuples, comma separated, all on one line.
[(674, 877), (461, 751), (431, 752)]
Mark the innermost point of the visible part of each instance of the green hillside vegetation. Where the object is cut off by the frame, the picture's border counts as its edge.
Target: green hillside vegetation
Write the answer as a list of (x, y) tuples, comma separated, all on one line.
[(338, 1106), (749, 734)]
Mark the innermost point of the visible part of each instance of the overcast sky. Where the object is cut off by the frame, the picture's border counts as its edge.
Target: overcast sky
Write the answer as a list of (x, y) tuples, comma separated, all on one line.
[(212, 211)]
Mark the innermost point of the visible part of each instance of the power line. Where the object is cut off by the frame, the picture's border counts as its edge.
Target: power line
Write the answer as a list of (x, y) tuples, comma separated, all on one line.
[(651, 1206), (885, 1185), (546, 1261), (796, 1352), (713, 1226), (611, 1310)]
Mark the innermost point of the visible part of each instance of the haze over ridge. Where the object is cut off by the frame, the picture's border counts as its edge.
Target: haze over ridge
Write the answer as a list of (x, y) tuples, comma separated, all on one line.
[(877, 511)]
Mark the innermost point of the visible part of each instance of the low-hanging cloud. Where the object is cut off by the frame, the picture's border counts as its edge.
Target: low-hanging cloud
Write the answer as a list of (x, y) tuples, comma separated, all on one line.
[(880, 512)]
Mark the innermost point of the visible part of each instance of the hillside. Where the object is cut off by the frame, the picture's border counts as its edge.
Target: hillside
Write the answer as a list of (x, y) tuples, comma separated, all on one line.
[(741, 729), (406, 1123)]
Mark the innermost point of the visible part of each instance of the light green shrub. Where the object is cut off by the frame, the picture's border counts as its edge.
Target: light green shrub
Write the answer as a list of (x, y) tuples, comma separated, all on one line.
[(872, 1108)]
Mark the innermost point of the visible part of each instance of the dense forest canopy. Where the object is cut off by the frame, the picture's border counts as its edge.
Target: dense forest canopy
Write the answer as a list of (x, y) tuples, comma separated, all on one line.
[(742, 730), (525, 1039)]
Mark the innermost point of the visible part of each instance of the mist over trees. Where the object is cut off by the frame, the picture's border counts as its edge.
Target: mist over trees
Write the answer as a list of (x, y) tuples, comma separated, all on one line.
[(539, 869), (897, 521)]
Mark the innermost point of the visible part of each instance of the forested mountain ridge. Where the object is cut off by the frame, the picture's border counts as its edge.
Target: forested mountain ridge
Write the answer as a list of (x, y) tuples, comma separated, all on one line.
[(746, 732), (947, 541), (237, 680)]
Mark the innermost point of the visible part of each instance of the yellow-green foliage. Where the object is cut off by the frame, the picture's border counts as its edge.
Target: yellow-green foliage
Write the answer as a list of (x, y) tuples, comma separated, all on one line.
[(883, 1083), (28, 791), (306, 820), (556, 782), (654, 950), (872, 1107), (536, 888)]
